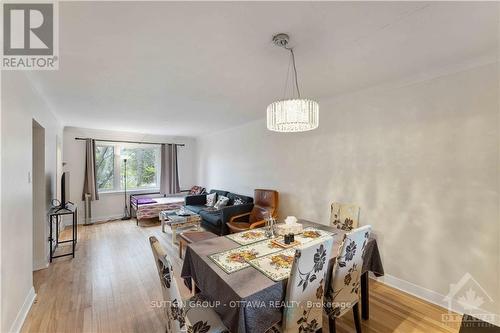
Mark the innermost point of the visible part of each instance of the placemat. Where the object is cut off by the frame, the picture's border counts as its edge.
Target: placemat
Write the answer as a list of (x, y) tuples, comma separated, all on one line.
[(248, 236), (309, 234), (276, 266), (233, 260), (236, 259)]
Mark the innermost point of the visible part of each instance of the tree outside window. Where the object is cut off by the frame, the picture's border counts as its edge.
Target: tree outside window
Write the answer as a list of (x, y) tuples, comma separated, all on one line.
[(105, 160), (143, 166)]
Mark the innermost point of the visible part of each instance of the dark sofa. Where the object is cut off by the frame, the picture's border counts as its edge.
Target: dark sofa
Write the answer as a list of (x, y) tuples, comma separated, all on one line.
[(215, 220)]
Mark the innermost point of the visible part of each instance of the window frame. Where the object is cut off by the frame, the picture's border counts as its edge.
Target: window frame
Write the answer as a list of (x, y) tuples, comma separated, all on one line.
[(117, 166)]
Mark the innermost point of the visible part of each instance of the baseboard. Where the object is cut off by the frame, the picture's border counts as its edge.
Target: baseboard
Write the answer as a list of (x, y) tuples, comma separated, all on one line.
[(105, 218), (98, 219), (23, 312), (425, 294), (94, 219), (41, 265)]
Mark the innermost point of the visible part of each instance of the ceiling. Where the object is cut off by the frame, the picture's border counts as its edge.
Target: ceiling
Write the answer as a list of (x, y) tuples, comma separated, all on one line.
[(191, 68)]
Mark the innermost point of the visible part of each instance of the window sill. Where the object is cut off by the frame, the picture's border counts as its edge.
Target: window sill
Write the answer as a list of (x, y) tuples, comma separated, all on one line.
[(136, 191)]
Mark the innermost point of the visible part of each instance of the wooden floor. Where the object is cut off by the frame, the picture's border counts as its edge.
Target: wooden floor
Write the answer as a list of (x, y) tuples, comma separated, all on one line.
[(111, 283)]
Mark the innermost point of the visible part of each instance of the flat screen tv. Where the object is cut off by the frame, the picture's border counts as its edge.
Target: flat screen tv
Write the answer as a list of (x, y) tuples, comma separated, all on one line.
[(64, 189)]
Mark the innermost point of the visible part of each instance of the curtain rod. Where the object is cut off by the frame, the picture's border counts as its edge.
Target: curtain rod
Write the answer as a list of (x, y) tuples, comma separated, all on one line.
[(137, 142)]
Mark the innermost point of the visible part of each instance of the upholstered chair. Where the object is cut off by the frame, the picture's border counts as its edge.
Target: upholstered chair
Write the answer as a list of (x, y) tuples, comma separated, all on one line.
[(265, 206), (343, 289), (182, 316), (344, 216), (305, 289)]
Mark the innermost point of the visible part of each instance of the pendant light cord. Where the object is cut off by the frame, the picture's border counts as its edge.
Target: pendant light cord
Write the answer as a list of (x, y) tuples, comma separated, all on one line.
[(285, 89), (294, 70)]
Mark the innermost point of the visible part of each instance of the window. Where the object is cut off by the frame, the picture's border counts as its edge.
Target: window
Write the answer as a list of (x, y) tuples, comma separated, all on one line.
[(104, 162), (143, 166)]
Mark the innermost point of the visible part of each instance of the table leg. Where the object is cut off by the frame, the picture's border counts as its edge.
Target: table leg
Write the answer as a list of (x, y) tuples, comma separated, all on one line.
[(162, 219), (76, 224), (180, 248), (50, 238), (57, 231), (73, 222), (174, 235), (365, 301)]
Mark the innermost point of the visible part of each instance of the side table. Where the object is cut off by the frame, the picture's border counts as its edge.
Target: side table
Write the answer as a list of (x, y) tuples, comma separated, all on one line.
[(54, 214)]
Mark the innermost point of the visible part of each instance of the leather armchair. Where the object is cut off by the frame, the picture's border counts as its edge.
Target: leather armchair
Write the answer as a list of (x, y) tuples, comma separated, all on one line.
[(265, 205)]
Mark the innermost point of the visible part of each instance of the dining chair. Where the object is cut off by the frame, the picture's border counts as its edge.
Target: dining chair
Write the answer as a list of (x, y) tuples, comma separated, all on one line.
[(344, 216), (265, 205), (182, 315), (305, 289), (342, 292)]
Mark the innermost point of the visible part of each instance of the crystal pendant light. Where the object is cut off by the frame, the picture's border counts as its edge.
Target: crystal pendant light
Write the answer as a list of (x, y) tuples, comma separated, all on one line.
[(295, 114)]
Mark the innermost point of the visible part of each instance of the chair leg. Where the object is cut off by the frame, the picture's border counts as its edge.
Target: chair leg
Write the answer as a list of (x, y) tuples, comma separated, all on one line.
[(331, 324), (357, 319)]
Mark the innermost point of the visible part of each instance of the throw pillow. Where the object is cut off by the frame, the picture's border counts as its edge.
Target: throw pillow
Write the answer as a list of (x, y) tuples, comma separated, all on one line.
[(197, 190), (238, 201), (221, 202), (211, 199)]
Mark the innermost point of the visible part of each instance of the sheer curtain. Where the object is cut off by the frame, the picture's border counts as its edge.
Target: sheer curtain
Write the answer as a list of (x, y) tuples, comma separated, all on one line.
[(90, 182), (169, 181)]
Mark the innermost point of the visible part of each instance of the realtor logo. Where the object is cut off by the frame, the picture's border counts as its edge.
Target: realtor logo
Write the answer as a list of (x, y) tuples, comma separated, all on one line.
[(467, 296), (29, 36), (28, 29)]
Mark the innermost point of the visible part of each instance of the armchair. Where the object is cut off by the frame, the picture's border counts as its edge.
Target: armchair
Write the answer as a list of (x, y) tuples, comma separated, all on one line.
[(265, 205)]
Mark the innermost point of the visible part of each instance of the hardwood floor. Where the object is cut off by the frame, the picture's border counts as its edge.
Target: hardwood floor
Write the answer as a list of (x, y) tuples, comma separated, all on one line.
[(111, 283)]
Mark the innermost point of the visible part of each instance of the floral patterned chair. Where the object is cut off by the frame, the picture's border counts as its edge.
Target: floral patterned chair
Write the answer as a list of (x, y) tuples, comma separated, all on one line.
[(342, 293), (182, 316), (344, 216), (305, 289)]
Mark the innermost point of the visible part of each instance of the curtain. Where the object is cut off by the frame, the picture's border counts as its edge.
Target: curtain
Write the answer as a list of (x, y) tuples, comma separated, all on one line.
[(90, 182), (169, 181)]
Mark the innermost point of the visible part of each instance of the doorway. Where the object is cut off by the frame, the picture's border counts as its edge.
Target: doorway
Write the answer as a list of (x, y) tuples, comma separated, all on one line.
[(39, 198)]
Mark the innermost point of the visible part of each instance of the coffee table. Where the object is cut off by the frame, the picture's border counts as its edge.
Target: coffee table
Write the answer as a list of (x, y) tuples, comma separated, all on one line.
[(174, 221)]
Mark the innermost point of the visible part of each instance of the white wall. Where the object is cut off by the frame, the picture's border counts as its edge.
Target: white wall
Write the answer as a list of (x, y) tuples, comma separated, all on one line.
[(1, 205), (110, 205), (39, 195), (20, 104), (421, 159)]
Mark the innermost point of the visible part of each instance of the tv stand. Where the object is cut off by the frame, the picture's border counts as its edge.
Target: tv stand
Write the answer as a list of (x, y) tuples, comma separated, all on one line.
[(62, 206), (54, 214)]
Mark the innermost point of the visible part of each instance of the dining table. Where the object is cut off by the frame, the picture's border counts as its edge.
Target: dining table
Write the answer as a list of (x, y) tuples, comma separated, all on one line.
[(247, 300)]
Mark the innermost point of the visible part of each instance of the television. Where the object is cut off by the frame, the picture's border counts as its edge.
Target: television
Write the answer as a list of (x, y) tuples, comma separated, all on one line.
[(64, 189)]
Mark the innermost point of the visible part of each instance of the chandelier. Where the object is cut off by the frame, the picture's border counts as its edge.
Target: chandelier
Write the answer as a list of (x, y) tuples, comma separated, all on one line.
[(294, 114)]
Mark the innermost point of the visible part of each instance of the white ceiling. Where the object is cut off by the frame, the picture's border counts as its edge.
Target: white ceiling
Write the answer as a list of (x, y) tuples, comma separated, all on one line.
[(191, 68)]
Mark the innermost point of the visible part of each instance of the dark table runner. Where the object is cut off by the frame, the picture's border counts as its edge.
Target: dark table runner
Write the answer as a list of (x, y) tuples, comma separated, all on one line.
[(248, 301)]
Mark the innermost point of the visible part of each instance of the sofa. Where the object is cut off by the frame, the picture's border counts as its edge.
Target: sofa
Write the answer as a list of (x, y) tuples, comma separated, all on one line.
[(215, 220)]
